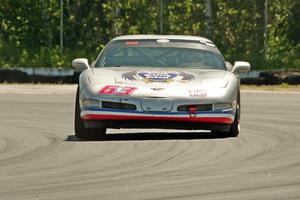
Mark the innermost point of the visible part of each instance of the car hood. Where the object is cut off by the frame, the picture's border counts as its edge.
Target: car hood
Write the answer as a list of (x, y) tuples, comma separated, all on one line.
[(161, 77)]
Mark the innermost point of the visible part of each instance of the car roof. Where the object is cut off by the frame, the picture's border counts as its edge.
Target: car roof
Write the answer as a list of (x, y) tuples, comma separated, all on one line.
[(170, 37)]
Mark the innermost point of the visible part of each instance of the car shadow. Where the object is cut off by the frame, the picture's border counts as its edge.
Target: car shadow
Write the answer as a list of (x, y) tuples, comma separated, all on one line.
[(152, 136)]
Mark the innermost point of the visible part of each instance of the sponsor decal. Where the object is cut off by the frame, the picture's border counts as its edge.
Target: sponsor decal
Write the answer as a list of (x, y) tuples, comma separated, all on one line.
[(197, 93), (157, 88), (116, 90), (157, 76)]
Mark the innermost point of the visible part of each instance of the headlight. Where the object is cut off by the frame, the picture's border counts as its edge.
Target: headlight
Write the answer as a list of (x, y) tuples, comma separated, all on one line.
[(222, 106), (92, 80), (90, 103)]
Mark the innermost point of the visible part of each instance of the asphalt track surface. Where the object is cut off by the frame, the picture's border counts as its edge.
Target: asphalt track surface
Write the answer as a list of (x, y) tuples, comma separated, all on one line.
[(40, 158)]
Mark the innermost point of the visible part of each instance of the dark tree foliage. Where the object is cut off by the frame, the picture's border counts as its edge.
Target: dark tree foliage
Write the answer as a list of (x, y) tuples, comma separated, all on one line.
[(30, 29)]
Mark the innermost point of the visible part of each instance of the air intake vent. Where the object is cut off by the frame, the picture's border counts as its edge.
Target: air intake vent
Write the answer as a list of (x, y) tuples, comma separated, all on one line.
[(199, 107), (120, 106)]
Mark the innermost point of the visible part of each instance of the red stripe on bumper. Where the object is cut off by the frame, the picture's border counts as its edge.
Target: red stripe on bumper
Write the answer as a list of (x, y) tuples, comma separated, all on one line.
[(222, 120)]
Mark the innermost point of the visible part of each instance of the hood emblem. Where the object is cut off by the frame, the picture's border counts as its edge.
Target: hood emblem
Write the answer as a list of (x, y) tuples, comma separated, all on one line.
[(157, 76)]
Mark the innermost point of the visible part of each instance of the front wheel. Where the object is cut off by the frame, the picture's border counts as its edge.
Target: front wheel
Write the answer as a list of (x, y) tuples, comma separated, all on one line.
[(233, 131), (235, 126), (80, 130)]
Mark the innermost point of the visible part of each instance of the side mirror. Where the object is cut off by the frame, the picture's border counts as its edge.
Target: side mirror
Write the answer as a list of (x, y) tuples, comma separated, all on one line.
[(241, 66), (80, 64), (229, 66)]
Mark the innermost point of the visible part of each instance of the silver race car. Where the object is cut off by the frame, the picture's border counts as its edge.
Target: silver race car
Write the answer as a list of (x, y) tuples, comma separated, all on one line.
[(158, 81)]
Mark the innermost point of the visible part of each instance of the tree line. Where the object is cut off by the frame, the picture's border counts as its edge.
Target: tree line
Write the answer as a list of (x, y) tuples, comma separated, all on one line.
[(242, 29)]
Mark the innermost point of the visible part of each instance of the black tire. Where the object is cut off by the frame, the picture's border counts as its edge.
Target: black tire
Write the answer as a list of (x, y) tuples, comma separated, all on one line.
[(80, 130), (234, 129), (235, 126)]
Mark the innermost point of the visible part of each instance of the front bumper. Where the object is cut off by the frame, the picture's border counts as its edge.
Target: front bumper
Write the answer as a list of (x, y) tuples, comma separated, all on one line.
[(111, 118)]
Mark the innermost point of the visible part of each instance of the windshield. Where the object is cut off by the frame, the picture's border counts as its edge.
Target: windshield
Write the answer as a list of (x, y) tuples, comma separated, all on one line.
[(159, 54)]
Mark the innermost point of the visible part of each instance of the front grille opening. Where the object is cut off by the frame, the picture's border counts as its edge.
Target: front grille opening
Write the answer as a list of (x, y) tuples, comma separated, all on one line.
[(199, 107), (120, 106)]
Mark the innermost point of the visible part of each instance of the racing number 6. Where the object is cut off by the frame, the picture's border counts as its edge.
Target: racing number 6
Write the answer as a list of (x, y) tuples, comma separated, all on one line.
[(116, 90), (108, 90)]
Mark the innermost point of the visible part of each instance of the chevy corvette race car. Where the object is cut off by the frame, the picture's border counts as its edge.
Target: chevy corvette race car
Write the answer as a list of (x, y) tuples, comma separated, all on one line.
[(158, 81)]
